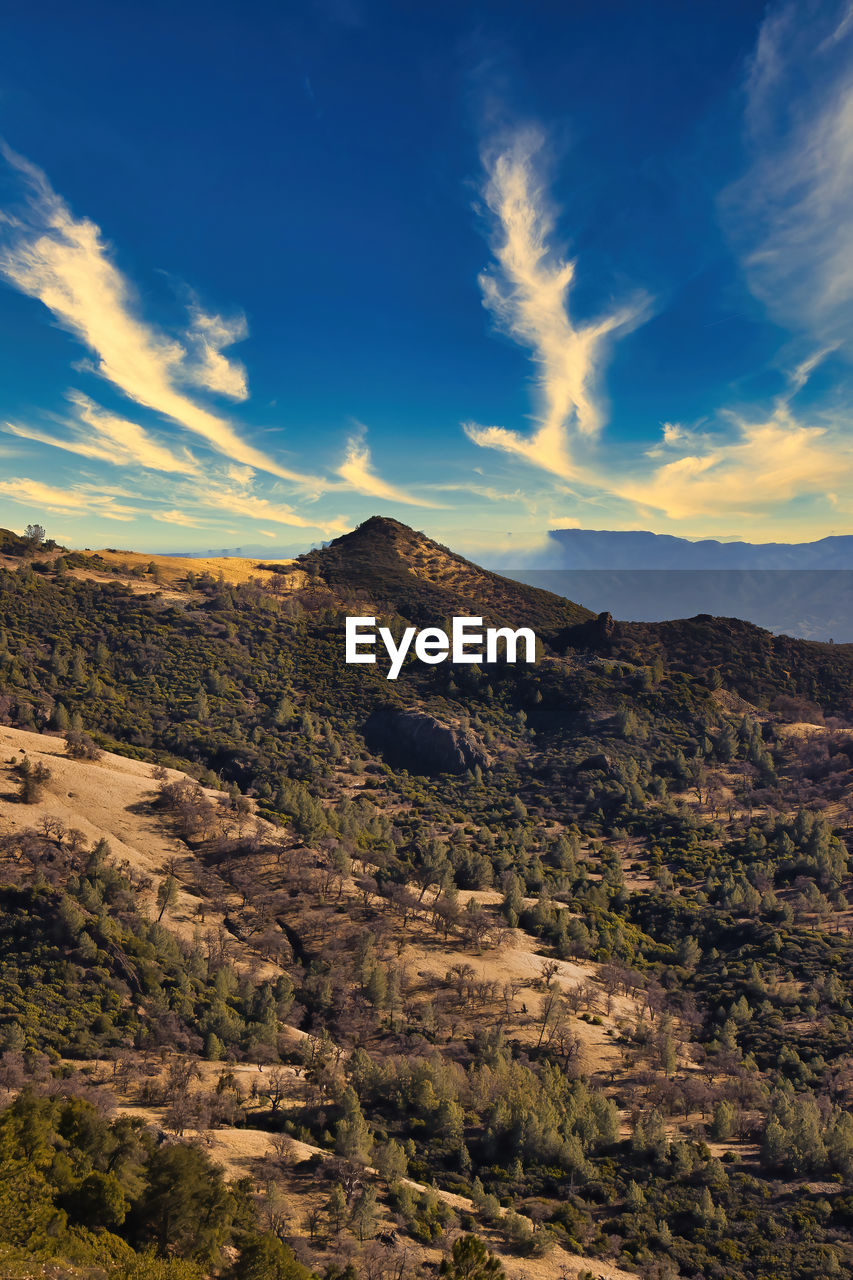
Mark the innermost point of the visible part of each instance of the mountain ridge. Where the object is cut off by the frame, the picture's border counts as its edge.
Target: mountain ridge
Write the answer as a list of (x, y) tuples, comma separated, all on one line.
[(641, 549)]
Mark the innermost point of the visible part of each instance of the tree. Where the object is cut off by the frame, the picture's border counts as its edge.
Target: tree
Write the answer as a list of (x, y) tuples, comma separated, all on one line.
[(167, 895), (376, 989), (391, 1162), (723, 1123), (35, 535), (33, 780), (635, 1198), (364, 1216), (471, 1260), (99, 1201), (79, 746), (185, 1207), (352, 1137), (336, 1209), (275, 1088), (263, 1257)]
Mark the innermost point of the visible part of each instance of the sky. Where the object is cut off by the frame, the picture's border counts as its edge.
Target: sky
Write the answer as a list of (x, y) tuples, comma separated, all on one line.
[(489, 268)]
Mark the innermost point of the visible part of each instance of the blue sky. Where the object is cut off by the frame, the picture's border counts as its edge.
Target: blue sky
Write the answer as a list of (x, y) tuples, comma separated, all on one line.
[(493, 269)]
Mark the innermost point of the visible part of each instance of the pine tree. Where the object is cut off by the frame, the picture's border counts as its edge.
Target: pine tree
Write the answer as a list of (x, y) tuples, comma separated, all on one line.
[(635, 1197), (471, 1260), (352, 1136), (336, 1209), (364, 1216), (60, 719), (167, 895)]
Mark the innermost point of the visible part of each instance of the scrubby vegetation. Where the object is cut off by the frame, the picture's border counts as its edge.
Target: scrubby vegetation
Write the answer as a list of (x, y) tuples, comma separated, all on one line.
[(589, 999)]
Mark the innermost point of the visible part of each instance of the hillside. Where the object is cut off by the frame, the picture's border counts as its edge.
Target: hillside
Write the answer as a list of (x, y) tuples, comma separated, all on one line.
[(394, 568), (116, 800), (585, 998), (758, 665)]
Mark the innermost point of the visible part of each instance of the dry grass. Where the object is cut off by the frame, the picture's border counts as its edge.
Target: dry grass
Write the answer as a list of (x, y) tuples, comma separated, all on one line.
[(174, 569)]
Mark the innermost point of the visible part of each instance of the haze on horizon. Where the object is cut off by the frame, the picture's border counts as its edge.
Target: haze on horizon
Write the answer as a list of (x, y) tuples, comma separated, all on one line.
[(493, 273)]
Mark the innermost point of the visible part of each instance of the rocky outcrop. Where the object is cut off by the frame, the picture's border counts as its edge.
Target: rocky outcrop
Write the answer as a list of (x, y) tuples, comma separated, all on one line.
[(599, 763), (597, 635), (420, 742)]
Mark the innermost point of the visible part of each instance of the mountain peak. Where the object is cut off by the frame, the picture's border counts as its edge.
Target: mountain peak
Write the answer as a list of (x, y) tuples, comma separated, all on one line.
[(396, 569), (385, 531)]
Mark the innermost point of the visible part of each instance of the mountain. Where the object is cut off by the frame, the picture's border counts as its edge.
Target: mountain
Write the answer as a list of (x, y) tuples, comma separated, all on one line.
[(309, 975), (803, 590), (638, 549), (393, 566)]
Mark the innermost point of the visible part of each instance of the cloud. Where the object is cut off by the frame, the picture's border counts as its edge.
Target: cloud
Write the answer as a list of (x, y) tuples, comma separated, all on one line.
[(488, 491), (178, 517), (78, 500), (63, 261), (235, 493), (195, 503), (791, 214), (358, 472), (528, 292), (50, 254), (107, 437), (767, 464), (209, 335), (263, 509), (758, 465)]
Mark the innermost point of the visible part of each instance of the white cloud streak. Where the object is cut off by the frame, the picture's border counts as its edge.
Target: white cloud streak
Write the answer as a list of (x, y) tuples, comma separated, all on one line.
[(179, 518), (232, 489), (210, 335), (765, 465), (107, 437), (357, 471), (250, 505), (791, 215), (528, 293), (49, 254), (756, 465), (63, 261), (72, 501)]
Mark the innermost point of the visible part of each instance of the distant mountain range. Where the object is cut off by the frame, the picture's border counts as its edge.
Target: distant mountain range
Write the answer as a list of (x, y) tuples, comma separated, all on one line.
[(800, 589), (637, 549)]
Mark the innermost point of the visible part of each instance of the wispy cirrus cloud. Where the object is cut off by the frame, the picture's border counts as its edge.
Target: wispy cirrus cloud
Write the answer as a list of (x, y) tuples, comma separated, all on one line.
[(357, 471), (246, 503), (49, 254), (753, 464), (180, 518), (790, 215), (231, 490), (62, 260), (76, 500), (528, 291), (102, 436), (209, 335), (759, 468), (191, 503)]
